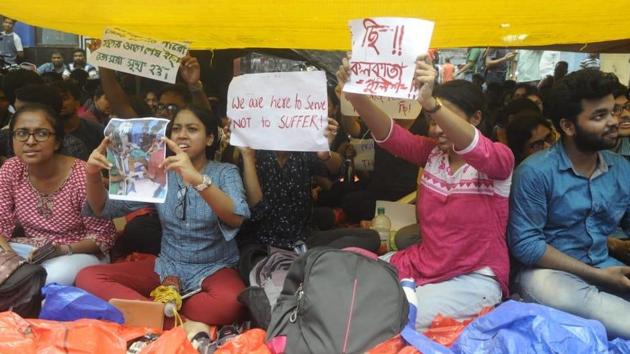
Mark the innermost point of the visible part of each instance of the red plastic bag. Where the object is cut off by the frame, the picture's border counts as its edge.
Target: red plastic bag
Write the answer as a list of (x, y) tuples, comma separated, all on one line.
[(446, 330), (250, 342)]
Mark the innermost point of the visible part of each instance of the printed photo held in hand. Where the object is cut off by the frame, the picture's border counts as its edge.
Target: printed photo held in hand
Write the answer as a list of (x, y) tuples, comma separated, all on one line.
[(285, 111), (154, 59), (384, 52), (135, 150)]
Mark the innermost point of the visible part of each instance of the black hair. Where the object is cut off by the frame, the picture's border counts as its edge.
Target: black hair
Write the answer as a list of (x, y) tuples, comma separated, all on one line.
[(465, 95), (10, 19), (51, 116), (209, 122), (565, 98), (15, 79), (519, 130), (80, 76), (529, 89), (57, 52), (41, 94), (619, 90), (178, 89), (78, 50), (51, 77), (69, 87)]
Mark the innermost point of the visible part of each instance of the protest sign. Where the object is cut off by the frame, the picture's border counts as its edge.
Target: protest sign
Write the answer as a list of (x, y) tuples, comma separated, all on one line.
[(396, 108), (136, 149), (384, 53), (146, 57), (285, 111), (364, 159)]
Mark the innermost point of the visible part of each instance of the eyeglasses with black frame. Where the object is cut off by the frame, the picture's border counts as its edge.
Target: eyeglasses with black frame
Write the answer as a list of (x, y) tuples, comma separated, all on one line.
[(40, 135), (170, 109)]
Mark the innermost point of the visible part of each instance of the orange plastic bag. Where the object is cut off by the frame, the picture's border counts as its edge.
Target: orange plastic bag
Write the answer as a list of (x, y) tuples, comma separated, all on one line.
[(250, 342), (173, 341)]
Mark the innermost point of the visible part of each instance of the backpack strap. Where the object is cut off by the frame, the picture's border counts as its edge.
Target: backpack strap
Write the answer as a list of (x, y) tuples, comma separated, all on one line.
[(409, 333)]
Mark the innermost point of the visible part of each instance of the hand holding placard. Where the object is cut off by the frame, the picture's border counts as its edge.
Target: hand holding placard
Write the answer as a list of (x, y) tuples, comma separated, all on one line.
[(384, 51)]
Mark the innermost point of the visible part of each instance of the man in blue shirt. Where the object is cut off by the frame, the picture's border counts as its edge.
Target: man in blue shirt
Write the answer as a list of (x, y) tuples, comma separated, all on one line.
[(56, 64), (567, 200)]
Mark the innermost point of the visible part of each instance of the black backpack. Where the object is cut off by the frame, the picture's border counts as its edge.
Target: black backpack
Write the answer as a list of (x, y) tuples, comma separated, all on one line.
[(21, 292), (335, 301)]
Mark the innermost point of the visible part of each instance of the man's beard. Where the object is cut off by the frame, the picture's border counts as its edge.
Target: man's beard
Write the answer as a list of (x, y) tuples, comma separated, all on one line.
[(590, 142)]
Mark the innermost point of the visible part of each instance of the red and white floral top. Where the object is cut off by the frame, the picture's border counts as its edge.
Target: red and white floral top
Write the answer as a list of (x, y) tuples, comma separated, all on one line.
[(55, 217)]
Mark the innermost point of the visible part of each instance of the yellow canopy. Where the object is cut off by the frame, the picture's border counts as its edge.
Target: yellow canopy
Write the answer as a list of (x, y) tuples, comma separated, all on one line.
[(323, 24)]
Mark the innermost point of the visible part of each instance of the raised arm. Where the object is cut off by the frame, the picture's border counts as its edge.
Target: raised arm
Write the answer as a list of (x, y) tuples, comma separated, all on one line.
[(250, 176), (117, 97), (331, 159), (191, 73)]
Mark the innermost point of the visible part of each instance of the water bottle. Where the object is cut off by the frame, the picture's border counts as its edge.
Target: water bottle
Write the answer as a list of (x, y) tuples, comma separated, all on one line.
[(382, 225)]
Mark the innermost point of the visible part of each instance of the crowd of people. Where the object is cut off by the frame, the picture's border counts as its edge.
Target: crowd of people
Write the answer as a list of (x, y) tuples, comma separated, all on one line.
[(522, 188)]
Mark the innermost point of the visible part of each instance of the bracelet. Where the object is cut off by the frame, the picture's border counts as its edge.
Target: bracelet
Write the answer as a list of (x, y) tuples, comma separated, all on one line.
[(69, 250)]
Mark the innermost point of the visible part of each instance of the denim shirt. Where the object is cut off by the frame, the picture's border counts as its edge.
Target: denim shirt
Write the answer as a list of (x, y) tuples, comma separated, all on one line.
[(552, 204), (198, 245)]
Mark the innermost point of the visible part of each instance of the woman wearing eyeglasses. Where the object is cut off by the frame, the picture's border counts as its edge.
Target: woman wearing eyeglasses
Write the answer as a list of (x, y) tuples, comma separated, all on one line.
[(205, 206), (527, 133), (44, 192)]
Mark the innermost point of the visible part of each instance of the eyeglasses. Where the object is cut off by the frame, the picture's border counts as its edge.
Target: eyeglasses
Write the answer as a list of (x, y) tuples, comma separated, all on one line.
[(170, 109), (180, 209), (618, 109), (40, 135), (540, 143)]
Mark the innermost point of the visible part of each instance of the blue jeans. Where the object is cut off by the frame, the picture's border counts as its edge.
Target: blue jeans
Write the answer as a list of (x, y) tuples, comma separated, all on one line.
[(570, 293), (461, 297)]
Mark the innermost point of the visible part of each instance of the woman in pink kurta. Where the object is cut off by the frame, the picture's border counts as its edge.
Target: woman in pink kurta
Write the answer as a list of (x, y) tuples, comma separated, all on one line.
[(461, 264), (43, 192)]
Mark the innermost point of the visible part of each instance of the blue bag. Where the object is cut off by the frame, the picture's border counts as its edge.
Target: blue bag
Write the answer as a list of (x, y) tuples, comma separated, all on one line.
[(516, 327), (67, 303)]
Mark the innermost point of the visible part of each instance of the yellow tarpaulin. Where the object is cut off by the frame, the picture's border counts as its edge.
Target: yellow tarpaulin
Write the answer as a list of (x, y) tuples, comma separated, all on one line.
[(323, 24)]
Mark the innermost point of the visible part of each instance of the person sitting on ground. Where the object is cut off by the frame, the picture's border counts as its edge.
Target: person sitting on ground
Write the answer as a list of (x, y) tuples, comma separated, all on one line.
[(278, 186), (43, 192), (507, 114), (618, 243), (461, 266), (56, 64), (96, 109), (88, 132), (527, 133), (51, 97), (79, 63), (565, 203), (622, 111), (204, 208)]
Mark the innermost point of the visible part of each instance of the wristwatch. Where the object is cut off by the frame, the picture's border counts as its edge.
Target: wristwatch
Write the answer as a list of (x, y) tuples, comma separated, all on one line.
[(205, 183), (438, 105)]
